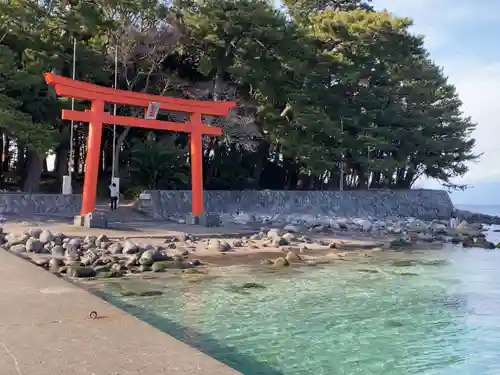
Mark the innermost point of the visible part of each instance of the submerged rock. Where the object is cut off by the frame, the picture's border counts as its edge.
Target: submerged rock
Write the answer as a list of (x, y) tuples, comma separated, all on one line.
[(292, 257), (281, 262), (146, 293), (403, 263), (367, 270)]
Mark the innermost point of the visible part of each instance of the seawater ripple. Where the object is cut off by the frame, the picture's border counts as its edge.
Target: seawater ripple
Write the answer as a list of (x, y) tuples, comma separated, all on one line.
[(336, 320)]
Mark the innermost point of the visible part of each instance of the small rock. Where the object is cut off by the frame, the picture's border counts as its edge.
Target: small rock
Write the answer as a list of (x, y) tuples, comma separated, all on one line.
[(115, 248), (34, 246), (14, 239), (292, 257), (195, 263), (103, 268), (102, 238), (468, 242), (216, 245), (144, 268), (158, 267), (292, 228), (81, 272), (148, 257), (18, 249), (46, 236), (72, 253), (74, 242), (282, 242), (132, 261), (130, 248), (281, 262), (274, 233), (42, 261), (56, 265), (35, 232), (57, 251), (482, 243)]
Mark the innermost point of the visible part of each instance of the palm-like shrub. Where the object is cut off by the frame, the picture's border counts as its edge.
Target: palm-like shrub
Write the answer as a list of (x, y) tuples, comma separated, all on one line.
[(157, 164)]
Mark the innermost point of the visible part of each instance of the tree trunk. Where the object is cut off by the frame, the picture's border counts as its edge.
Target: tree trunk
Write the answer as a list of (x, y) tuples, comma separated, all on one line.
[(62, 155), (61, 163), (33, 172), (20, 159), (262, 155)]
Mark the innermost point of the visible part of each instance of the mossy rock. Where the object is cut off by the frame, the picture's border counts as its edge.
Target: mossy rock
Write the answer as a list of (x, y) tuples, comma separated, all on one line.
[(403, 263), (405, 274), (243, 288), (193, 271), (253, 286), (146, 293), (437, 262), (394, 323), (111, 274), (367, 270), (200, 278), (168, 264), (158, 267)]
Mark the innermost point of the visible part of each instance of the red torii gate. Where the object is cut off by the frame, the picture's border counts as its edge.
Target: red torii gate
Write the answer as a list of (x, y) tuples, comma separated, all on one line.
[(96, 117)]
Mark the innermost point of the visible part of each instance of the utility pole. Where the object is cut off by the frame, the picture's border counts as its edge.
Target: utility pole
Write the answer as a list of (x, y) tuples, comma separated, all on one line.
[(67, 187), (71, 131), (341, 185), (113, 161)]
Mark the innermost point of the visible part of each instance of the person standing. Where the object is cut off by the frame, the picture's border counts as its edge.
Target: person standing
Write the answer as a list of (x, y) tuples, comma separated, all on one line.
[(113, 196)]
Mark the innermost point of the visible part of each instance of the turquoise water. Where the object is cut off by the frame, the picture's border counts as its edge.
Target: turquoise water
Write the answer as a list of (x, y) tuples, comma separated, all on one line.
[(441, 317)]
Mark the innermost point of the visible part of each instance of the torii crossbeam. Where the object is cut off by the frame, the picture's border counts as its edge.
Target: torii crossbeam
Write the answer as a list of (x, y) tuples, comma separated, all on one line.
[(96, 117)]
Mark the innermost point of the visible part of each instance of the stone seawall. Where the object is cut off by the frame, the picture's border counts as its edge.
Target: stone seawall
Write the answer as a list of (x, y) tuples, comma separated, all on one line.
[(423, 204), (52, 204)]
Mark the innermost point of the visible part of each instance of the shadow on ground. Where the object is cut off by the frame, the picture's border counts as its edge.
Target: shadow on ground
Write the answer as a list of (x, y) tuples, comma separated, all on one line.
[(206, 344)]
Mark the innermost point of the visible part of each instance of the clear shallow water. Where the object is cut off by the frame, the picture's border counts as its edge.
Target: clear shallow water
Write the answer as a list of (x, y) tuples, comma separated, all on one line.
[(336, 320)]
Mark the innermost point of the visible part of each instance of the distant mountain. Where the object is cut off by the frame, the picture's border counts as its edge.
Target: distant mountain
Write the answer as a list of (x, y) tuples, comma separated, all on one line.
[(482, 192)]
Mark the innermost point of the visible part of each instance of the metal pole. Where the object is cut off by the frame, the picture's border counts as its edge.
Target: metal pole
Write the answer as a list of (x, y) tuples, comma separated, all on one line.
[(73, 75), (114, 114), (341, 186)]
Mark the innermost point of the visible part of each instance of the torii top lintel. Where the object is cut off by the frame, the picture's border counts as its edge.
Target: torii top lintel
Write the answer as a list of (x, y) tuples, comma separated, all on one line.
[(68, 87)]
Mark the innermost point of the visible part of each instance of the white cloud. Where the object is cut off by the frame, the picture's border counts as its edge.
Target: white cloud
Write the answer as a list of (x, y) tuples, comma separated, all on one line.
[(474, 71)]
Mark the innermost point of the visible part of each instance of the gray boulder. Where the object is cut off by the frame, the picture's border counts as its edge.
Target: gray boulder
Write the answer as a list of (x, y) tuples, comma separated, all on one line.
[(34, 246), (46, 236)]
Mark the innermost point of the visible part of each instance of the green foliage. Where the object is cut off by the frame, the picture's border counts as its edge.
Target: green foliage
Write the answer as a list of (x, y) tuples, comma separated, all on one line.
[(157, 164), (336, 85), (20, 115)]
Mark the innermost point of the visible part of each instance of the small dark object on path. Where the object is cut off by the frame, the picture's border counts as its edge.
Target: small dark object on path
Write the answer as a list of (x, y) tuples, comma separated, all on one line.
[(93, 315)]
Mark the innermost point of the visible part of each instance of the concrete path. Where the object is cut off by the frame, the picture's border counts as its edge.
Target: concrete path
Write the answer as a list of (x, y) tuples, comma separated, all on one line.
[(45, 330)]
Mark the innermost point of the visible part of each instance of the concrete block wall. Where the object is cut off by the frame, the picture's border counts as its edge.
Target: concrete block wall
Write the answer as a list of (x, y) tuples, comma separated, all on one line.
[(424, 204)]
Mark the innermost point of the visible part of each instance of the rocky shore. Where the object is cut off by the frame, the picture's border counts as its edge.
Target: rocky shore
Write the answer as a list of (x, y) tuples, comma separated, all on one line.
[(302, 241), (475, 217)]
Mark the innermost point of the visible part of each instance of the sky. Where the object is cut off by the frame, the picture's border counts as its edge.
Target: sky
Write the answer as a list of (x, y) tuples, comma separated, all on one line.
[(462, 37)]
